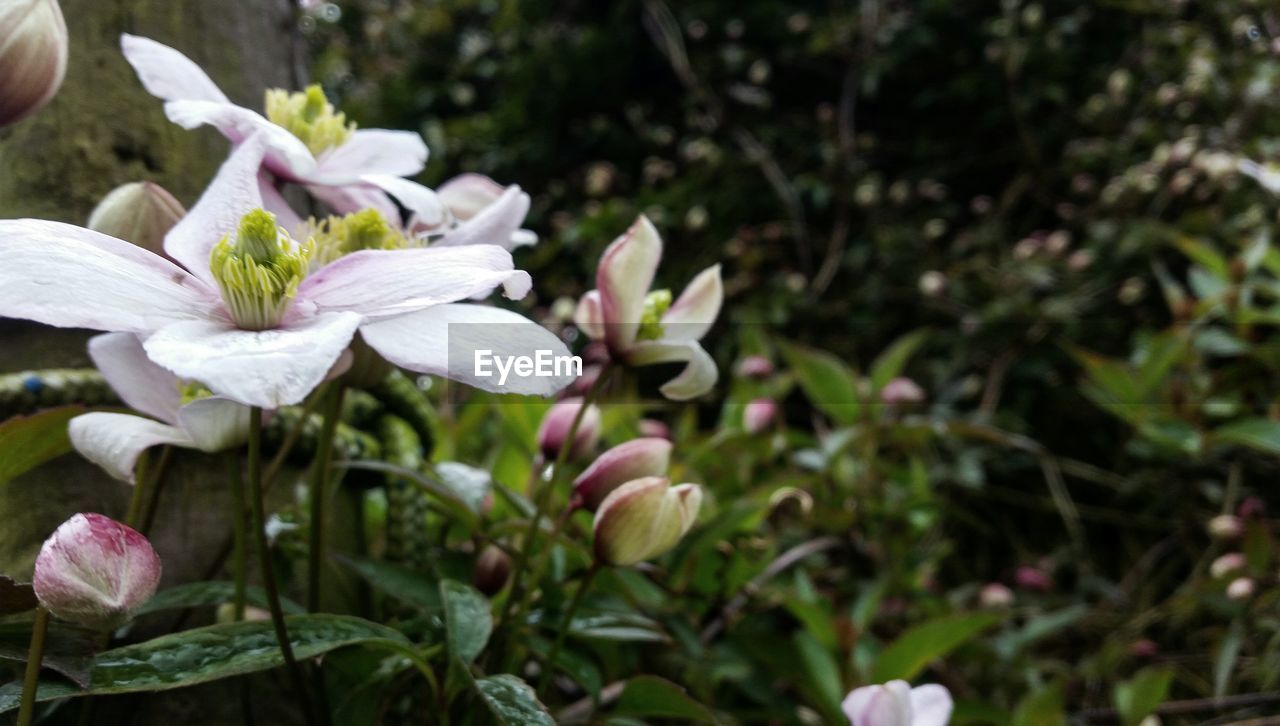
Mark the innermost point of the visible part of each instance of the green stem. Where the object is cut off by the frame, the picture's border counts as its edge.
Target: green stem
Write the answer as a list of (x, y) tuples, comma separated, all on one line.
[(320, 492), (35, 654), (549, 667), (239, 557), (259, 525), (136, 499)]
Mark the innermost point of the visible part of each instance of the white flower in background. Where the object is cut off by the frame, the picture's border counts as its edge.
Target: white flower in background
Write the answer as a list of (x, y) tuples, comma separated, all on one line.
[(896, 703)]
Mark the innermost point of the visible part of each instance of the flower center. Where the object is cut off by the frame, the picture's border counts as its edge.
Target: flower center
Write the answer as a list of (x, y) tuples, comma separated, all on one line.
[(364, 230), (655, 306), (309, 116), (192, 391), (259, 272)]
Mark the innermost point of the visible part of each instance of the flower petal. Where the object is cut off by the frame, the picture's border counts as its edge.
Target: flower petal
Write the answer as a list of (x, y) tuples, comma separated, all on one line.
[(589, 317), (693, 313), (143, 385), (497, 224), (350, 198), (444, 340), (931, 705), (286, 154), (371, 151), (267, 368), (71, 277), (426, 212), (114, 441), (233, 193), (273, 201), (384, 283), (698, 377), (467, 194), (215, 424), (624, 277), (880, 705), (168, 74), (623, 463)]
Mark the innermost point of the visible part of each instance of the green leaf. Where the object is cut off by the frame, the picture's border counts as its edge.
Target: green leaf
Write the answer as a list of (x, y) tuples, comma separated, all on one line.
[(580, 668), (914, 649), (1041, 708), (822, 673), (1225, 661), (1137, 698), (67, 648), (468, 483), (512, 702), (1262, 434), (202, 594), (656, 697), (889, 364), (1205, 255), (407, 585), (29, 441), (830, 385), (1010, 643), (468, 619), (212, 653)]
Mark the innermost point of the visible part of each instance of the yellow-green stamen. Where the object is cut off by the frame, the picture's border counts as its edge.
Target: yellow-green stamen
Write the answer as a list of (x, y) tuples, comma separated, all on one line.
[(192, 391), (655, 306), (363, 230), (258, 273), (309, 116)]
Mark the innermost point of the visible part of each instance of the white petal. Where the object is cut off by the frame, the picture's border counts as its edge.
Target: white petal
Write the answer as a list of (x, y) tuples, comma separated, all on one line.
[(931, 705), (426, 212), (443, 341), (371, 151), (698, 377), (877, 706), (467, 194), (233, 193), (286, 154), (71, 277), (382, 283), (497, 224), (114, 441), (693, 313), (143, 385), (168, 74), (624, 277), (350, 198), (215, 424), (268, 368), (589, 317)]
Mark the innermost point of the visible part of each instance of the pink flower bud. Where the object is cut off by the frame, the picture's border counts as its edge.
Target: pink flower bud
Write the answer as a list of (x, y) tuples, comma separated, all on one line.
[(1144, 648), (1031, 578), (33, 56), (1227, 564), (653, 429), (493, 567), (633, 460), (1251, 507), (995, 595), (896, 703), (94, 570), (758, 415), (1241, 588), (642, 519), (755, 366), (139, 212), (901, 391), (1225, 526), (556, 424)]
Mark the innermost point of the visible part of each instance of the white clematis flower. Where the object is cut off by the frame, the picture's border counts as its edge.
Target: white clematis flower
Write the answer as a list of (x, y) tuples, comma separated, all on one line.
[(896, 703)]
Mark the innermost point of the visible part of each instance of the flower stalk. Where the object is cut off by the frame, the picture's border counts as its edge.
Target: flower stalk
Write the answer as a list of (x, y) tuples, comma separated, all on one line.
[(320, 492), (35, 654), (550, 665)]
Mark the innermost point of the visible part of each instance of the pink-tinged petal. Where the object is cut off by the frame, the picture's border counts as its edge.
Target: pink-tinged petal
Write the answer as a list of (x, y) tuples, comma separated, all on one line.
[(71, 277), (371, 151), (114, 441), (497, 224), (94, 570), (931, 705), (233, 193), (624, 277), (215, 424), (143, 385), (168, 74), (632, 460), (589, 317), (467, 194), (693, 313), (883, 705), (353, 198), (286, 155), (698, 377), (273, 201), (427, 213), (385, 283), (267, 368), (444, 340)]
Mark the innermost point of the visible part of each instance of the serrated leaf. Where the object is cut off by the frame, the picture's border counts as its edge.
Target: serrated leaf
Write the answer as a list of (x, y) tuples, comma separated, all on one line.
[(468, 619), (656, 697), (916, 648), (29, 441), (512, 702)]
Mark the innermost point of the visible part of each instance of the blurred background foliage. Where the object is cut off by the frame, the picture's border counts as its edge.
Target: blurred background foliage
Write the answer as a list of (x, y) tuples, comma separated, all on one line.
[(1031, 209)]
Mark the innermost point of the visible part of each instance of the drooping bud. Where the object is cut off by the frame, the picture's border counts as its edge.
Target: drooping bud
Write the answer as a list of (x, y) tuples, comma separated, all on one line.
[(901, 391), (1241, 588), (33, 56), (1225, 527), (758, 415), (995, 595), (493, 567), (896, 703), (94, 571), (656, 305), (258, 273), (554, 431), (309, 116), (137, 212), (623, 463), (755, 366), (643, 519), (1227, 564)]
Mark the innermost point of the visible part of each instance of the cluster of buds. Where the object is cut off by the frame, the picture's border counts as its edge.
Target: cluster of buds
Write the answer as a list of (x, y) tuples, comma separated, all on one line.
[(94, 571)]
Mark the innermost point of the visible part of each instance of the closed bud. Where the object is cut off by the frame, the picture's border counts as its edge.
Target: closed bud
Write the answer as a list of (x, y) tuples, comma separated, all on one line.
[(138, 212), (643, 519), (1033, 578), (94, 571), (33, 56), (755, 366), (994, 595), (554, 431), (653, 428), (1227, 564), (1241, 588), (633, 460), (758, 415), (1225, 526), (900, 391), (493, 567)]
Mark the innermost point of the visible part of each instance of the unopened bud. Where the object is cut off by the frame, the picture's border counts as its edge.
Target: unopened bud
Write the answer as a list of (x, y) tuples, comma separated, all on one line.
[(554, 431), (1227, 564), (755, 366), (653, 428), (643, 519), (901, 391), (94, 571), (633, 460), (995, 595), (1032, 578), (1241, 588), (33, 56), (138, 212), (758, 415), (1225, 526), (493, 567)]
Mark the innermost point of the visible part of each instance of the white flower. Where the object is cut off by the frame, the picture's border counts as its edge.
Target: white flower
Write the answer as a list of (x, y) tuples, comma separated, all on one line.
[(896, 703)]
